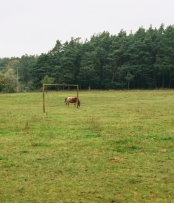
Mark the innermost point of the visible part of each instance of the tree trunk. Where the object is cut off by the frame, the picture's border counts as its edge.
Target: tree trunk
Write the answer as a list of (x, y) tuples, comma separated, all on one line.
[(113, 73), (128, 82), (169, 80), (89, 86), (163, 81)]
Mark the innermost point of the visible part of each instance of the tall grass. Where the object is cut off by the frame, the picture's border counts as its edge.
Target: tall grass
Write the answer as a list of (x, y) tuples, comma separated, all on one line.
[(117, 147)]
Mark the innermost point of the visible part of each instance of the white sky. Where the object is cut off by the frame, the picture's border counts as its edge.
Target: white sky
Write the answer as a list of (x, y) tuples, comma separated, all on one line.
[(33, 26)]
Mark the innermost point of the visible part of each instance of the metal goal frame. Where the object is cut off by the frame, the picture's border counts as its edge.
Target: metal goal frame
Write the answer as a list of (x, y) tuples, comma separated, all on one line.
[(61, 85)]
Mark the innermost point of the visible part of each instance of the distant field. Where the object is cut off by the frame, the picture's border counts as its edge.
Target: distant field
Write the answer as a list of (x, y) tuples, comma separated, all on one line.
[(117, 147)]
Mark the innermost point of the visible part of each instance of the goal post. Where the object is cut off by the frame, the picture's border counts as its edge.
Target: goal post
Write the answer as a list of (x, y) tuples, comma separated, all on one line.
[(60, 85)]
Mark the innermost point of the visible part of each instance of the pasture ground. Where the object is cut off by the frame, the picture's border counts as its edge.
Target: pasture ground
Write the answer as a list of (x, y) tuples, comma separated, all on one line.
[(117, 147)]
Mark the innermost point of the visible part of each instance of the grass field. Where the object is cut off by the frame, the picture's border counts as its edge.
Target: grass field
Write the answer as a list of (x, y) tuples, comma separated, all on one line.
[(117, 147)]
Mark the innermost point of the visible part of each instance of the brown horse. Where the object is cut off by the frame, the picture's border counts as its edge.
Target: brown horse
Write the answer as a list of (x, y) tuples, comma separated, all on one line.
[(74, 100)]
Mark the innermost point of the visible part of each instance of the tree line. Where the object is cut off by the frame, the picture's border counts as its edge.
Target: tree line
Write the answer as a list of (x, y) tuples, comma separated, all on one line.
[(143, 60)]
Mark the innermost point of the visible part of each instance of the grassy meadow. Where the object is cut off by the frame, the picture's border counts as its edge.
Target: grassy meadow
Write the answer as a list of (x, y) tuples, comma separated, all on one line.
[(117, 147)]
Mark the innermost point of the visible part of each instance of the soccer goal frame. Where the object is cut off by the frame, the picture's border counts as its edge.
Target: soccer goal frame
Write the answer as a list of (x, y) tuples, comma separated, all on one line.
[(60, 85)]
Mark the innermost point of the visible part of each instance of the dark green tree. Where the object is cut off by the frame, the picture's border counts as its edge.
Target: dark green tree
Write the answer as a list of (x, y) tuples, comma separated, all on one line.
[(88, 74)]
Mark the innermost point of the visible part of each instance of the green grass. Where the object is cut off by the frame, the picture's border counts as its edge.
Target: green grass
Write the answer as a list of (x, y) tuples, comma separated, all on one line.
[(117, 147)]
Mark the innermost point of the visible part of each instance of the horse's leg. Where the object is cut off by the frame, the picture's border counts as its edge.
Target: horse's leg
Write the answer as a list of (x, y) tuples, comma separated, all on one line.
[(66, 101)]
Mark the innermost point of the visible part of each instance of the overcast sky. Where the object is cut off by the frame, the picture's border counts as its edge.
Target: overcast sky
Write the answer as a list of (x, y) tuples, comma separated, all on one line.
[(33, 26)]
